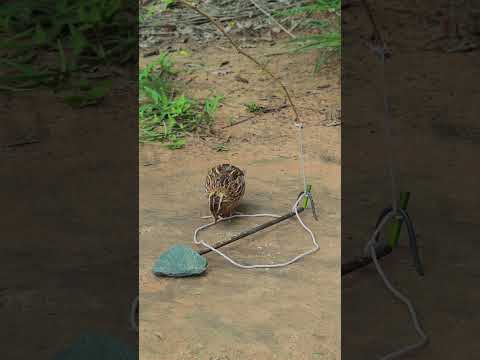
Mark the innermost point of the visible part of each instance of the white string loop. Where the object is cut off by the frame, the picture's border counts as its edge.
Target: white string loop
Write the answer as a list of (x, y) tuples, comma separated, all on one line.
[(256, 266), (382, 52), (413, 315), (305, 194)]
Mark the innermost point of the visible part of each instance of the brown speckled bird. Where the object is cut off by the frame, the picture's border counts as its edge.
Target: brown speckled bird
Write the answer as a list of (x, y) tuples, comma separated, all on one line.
[(225, 186)]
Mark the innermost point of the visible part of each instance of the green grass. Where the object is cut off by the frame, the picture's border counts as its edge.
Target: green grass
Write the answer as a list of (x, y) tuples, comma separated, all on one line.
[(253, 107), (165, 114), (152, 9), (323, 19), (220, 147), (57, 44)]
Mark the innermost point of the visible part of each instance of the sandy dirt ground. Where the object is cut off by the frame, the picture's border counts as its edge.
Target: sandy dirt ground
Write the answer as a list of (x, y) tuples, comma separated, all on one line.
[(443, 206), (229, 313), (64, 193)]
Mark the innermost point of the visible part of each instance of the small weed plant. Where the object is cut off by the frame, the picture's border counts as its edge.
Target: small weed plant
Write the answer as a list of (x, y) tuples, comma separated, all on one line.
[(323, 17), (253, 107), (57, 44), (165, 114)]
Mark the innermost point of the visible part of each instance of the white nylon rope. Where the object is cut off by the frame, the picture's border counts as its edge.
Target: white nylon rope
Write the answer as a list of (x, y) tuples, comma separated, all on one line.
[(370, 247), (294, 208)]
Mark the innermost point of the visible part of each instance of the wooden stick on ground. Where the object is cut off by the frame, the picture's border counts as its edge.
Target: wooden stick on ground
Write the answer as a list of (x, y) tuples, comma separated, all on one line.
[(361, 262), (252, 231)]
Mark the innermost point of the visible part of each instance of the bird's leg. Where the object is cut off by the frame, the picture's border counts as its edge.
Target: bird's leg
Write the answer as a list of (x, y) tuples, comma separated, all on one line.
[(231, 212)]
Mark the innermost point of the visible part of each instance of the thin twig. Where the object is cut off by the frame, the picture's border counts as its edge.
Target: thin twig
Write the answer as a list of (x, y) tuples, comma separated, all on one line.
[(278, 53), (376, 31), (272, 19), (264, 111), (263, 67), (23, 143)]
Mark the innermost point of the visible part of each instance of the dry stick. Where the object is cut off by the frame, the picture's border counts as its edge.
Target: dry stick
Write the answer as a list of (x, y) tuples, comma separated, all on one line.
[(240, 51), (252, 231), (277, 53), (272, 19), (376, 30), (363, 261), (265, 111)]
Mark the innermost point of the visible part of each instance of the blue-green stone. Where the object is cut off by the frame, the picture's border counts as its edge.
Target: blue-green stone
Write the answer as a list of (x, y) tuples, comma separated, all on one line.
[(180, 261)]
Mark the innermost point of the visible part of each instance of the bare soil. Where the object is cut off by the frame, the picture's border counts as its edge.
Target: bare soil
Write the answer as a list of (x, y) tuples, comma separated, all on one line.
[(435, 102), (229, 313), (60, 219)]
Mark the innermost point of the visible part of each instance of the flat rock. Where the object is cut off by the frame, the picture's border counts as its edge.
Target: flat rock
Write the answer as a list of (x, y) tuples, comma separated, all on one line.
[(180, 261), (96, 347)]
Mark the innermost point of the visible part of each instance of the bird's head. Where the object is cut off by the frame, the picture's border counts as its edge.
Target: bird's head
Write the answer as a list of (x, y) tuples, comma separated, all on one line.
[(215, 200)]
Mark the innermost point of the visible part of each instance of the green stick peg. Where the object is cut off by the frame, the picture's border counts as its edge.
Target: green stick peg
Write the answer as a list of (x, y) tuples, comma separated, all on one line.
[(396, 226), (305, 199)]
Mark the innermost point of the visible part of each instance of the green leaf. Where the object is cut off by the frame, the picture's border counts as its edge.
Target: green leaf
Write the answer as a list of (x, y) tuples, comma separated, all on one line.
[(113, 7), (79, 42), (5, 24), (168, 3), (62, 58), (100, 90), (100, 52), (76, 101), (176, 144), (82, 84), (92, 96), (40, 36), (95, 15)]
